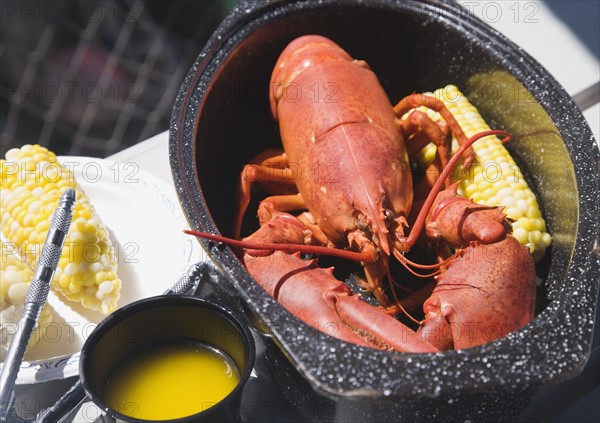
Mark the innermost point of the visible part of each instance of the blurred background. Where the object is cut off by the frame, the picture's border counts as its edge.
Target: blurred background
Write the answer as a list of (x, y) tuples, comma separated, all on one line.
[(92, 77)]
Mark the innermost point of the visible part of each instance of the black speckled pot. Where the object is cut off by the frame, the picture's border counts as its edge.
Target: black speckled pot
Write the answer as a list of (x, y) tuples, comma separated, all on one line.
[(222, 118)]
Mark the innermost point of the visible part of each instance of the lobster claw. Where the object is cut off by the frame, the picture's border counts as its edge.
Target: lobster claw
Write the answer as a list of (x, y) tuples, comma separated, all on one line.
[(459, 221), (436, 328), (487, 292), (316, 297)]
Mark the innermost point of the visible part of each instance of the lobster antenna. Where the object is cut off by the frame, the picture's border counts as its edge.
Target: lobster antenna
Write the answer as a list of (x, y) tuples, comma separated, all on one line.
[(288, 248), (392, 282), (407, 262)]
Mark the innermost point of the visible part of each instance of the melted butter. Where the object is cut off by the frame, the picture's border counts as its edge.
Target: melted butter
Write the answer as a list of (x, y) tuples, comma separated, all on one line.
[(170, 381)]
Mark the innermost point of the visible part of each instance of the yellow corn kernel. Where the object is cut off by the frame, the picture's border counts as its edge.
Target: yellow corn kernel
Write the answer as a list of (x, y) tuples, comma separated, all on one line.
[(32, 183), (495, 179), (15, 277)]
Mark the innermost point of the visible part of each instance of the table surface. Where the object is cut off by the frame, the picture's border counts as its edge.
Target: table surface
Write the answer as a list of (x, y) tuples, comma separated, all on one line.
[(530, 24)]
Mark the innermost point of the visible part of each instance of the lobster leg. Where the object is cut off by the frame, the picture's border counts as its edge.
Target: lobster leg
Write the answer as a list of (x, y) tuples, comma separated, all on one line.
[(272, 170), (318, 235), (426, 131), (416, 100), (288, 202), (376, 271)]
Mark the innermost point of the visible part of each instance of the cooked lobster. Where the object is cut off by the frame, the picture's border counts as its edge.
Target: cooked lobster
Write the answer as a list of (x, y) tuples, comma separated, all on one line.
[(360, 207)]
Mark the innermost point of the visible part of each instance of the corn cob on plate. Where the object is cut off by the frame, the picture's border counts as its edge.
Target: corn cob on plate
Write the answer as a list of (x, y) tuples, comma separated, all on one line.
[(15, 278), (143, 228), (33, 181)]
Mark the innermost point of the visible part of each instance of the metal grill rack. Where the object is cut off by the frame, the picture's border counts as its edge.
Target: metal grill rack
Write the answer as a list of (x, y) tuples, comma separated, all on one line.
[(94, 77)]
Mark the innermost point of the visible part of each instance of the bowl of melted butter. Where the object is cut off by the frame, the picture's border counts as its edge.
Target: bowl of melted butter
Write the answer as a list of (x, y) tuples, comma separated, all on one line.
[(168, 359)]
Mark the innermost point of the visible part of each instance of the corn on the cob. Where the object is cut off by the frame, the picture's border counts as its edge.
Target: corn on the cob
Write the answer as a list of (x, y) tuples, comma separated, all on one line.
[(32, 183), (495, 179), (15, 277)]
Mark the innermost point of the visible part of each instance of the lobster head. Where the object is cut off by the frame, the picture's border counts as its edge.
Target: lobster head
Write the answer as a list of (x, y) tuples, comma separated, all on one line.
[(302, 53)]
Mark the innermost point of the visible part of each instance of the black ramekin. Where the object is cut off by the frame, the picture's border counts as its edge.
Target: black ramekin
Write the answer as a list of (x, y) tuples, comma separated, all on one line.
[(159, 320)]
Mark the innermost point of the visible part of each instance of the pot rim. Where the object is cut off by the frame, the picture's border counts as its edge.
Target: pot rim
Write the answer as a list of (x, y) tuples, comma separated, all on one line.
[(550, 325)]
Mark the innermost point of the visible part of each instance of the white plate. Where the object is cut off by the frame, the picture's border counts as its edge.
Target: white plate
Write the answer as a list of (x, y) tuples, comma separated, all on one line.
[(145, 223)]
